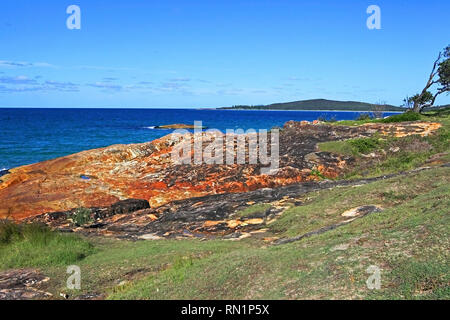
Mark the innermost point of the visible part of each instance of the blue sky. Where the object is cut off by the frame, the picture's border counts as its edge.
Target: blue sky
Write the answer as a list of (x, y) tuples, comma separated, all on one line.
[(183, 54)]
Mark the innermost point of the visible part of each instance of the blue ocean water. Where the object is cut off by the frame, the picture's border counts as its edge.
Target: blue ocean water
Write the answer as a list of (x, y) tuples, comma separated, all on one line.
[(32, 135)]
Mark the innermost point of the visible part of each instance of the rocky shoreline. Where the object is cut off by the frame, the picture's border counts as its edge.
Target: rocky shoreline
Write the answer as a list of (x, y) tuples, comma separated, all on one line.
[(207, 217), (135, 191)]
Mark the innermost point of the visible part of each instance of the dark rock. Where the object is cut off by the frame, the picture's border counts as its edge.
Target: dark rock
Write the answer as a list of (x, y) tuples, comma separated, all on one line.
[(22, 284), (3, 173), (128, 206)]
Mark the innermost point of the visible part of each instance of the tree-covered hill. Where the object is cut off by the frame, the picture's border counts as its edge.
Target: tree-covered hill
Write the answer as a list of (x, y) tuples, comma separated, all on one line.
[(318, 104)]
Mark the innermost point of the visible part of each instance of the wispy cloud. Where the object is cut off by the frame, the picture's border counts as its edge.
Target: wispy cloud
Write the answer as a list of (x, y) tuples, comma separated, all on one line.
[(90, 67), (180, 79), (110, 79), (22, 83), (298, 79), (6, 89), (62, 86), (106, 86), (17, 80), (24, 64)]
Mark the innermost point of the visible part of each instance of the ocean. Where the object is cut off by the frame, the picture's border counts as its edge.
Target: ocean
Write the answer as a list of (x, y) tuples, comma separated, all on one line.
[(33, 135)]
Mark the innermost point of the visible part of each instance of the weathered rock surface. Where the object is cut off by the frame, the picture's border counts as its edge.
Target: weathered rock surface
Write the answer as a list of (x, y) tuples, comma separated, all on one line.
[(22, 284), (208, 216), (101, 177)]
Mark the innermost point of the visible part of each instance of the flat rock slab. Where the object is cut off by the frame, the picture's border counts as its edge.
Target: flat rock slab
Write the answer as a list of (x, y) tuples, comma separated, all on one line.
[(212, 216), (363, 210), (22, 284)]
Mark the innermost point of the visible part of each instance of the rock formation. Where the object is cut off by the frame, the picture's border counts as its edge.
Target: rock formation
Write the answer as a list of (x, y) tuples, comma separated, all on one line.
[(101, 177)]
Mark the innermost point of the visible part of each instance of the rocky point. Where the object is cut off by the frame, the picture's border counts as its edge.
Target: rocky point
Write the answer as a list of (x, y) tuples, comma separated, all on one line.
[(103, 177)]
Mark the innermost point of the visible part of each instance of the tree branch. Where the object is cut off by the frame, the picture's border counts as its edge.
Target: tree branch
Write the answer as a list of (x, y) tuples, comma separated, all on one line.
[(430, 82), (431, 103)]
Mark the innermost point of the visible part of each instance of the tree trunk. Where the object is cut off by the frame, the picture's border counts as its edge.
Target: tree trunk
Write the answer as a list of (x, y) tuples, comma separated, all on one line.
[(417, 108)]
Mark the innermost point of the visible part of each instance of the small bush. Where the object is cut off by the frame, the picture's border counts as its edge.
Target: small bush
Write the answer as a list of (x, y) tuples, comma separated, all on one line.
[(82, 216), (407, 116), (364, 145), (325, 119), (13, 232), (318, 174), (8, 231), (363, 117)]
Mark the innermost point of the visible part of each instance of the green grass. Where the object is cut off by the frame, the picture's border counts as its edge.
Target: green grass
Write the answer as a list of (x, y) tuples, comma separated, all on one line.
[(408, 241), (32, 245), (254, 210), (353, 147), (117, 263)]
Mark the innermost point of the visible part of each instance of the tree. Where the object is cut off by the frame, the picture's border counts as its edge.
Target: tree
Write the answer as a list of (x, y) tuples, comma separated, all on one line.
[(408, 102), (378, 109), (440, 75)]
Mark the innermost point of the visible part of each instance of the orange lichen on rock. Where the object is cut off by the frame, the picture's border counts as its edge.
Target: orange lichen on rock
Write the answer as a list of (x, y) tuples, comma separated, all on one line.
[(398, 130), (101, 177)]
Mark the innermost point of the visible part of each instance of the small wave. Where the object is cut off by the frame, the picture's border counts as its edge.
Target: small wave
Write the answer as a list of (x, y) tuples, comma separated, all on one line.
[(3, 171), (151, 127)]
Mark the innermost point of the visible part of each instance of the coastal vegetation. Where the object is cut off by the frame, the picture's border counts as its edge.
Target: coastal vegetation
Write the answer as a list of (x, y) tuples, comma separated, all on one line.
[(438, 81), (383, 155), (81, 216), (24, 245)]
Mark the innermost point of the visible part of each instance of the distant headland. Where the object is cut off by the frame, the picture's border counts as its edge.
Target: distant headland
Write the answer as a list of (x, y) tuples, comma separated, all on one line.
[(319, 104)]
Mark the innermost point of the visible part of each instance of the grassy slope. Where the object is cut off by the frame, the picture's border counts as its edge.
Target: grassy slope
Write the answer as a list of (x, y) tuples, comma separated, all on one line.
[(35, 245), (409, 241)]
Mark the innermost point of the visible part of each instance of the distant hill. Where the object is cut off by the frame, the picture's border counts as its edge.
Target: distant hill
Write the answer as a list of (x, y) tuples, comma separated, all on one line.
[(435, 108), (317, 104)]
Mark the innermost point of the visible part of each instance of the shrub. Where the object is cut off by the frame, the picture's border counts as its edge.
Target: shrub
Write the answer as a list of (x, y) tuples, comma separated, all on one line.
[(12, 232), (8, 231), (363, 117), (364, 145), (325, 119), (82, 216), (407, 116), (35, 245)]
